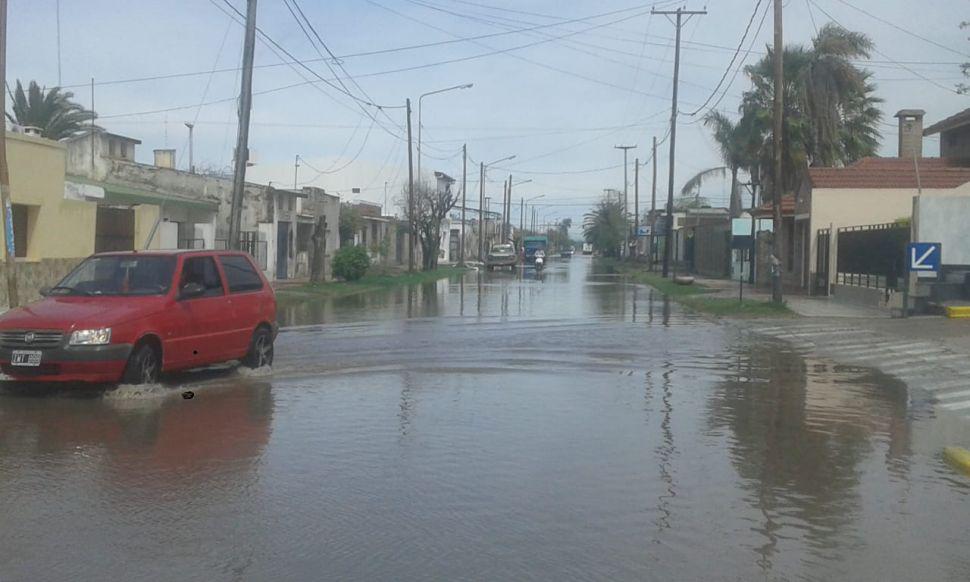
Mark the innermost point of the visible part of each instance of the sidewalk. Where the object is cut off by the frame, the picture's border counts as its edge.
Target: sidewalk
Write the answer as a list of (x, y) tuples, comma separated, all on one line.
[(803, 305)]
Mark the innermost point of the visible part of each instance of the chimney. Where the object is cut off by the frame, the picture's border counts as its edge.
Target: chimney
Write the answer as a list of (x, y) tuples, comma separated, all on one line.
[(166, 159), (910, 133)]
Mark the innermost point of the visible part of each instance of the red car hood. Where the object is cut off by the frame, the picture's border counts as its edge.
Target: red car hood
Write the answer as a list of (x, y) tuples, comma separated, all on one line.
[(69, 313)]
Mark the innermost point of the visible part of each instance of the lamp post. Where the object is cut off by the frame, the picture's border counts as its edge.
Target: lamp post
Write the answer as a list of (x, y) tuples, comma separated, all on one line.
[(481, 204), (420, 98)]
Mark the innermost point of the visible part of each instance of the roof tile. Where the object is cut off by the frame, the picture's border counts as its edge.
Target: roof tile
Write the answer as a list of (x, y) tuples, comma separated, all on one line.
[(893, 173)]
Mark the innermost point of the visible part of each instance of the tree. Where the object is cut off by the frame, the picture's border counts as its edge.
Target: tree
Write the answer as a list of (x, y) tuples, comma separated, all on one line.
[(319, 248), (349, 224), (431, 207), (605, 227), (739, 143), (831, 115), (53, 112)]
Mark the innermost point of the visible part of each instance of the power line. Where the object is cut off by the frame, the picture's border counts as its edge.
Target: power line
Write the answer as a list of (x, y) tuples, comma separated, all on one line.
[(527, 60), (737, 69), (734, 58), (883, 55), (903, 29)]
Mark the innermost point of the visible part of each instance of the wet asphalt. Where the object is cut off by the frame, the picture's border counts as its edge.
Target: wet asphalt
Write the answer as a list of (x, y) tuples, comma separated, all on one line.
[(565, 425)]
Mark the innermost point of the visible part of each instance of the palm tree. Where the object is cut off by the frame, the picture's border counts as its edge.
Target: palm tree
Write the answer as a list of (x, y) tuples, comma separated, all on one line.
[(53, 112), (831, 115), (739, 143), (605, 227)]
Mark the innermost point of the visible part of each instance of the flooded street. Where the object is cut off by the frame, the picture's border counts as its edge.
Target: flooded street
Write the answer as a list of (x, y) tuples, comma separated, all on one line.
[(506, 426)]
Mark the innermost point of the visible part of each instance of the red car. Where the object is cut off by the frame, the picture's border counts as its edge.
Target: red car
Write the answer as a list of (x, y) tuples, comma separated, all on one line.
[(130, 316)]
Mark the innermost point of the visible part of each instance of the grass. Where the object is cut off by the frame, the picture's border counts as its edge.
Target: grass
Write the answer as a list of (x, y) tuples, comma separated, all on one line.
[(692, 296), (727, 307), (378, 280)]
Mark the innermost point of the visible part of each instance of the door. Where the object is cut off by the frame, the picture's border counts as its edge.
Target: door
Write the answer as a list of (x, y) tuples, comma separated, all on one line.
[(204, 322), (248, 300), (114, 229), (282, 249)]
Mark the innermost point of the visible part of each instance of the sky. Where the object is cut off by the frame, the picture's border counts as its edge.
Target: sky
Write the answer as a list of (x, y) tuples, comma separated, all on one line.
[(556, 84)]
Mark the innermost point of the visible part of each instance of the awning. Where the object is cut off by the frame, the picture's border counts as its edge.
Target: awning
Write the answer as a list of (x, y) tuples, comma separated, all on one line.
[(124, 194)]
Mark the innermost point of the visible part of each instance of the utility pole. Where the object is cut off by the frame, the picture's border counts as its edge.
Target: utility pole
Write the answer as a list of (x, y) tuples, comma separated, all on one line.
[(636, 205), (481, 212), (626, 205), (10, 265), (242, 137), (507, 225), (191, 127), (464, 188), (653, 204), (669, 235), (296, 174), (410, 194), (777, 182)]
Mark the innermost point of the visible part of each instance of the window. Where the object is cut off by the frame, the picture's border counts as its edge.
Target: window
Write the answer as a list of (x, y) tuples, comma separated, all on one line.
[(202, 270), (112, 148), (119, 275), (240, 274)]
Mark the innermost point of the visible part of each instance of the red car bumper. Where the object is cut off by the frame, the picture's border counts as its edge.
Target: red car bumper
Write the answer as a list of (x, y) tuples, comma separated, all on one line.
[(91, 364)]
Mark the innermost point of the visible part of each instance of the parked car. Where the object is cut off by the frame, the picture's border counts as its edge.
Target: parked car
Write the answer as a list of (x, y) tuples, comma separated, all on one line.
[(502, 255), (129, 316)]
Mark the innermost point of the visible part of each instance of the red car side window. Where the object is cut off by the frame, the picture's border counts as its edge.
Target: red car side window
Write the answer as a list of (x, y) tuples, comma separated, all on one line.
[(240, 274)]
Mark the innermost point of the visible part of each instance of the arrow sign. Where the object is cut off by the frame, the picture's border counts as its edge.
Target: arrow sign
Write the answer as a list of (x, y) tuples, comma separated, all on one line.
[(924, 258)]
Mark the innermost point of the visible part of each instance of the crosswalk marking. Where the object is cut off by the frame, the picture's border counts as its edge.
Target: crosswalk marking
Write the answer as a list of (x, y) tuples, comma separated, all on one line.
[(925, 365)]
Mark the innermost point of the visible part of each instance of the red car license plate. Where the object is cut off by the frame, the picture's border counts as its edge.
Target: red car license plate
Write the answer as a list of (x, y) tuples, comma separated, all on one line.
[(25, 358)]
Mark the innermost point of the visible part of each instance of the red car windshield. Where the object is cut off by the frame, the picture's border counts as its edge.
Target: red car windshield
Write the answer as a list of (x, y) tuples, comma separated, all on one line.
[(119, 275)]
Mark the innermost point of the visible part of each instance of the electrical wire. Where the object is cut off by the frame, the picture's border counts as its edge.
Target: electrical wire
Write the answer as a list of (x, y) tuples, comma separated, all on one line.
[(883, 55), (734, 58), (904, 30)]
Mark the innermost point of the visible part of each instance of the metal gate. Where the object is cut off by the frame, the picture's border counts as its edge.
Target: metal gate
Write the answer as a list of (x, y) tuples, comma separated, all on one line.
[(872, 255), (823, 242)]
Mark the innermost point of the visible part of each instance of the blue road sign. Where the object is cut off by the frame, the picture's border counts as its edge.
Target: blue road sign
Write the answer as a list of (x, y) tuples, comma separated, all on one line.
[(643, 231), (924, 258)]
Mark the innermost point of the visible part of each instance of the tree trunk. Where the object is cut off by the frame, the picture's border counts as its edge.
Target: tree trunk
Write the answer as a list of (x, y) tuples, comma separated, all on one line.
[(318, 251)]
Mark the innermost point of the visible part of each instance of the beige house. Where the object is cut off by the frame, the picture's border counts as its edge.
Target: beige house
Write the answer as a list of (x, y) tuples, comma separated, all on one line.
[(53, 226), (873, 192)]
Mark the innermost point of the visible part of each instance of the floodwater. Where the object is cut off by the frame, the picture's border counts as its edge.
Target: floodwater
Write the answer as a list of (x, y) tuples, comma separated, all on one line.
[(561, 427)]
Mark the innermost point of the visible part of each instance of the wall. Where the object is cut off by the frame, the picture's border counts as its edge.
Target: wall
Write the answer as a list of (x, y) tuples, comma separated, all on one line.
[(145, 217), (946, 221), (34, 275), (955, 143), (59, 228), (856, 207)]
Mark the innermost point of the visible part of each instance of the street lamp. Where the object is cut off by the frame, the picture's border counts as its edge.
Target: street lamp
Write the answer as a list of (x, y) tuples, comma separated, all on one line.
[(481, 204), (456, 87)]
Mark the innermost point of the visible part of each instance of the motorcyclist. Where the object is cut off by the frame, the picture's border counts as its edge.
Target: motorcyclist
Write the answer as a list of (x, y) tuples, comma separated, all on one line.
[(540, 258)]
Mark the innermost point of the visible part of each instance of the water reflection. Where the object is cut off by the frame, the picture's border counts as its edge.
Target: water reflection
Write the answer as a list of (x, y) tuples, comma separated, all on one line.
[(801, 432)]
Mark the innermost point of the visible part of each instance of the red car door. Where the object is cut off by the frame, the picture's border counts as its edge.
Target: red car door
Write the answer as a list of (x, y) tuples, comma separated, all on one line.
[(247, 296), (204, 314)]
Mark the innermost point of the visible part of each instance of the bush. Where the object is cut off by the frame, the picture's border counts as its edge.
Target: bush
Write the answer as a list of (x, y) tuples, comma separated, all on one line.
[(351, 263)]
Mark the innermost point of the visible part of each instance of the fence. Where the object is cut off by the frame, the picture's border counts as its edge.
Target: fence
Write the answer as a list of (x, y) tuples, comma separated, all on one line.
[(872, 256), (250, 243), (191, 243)]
